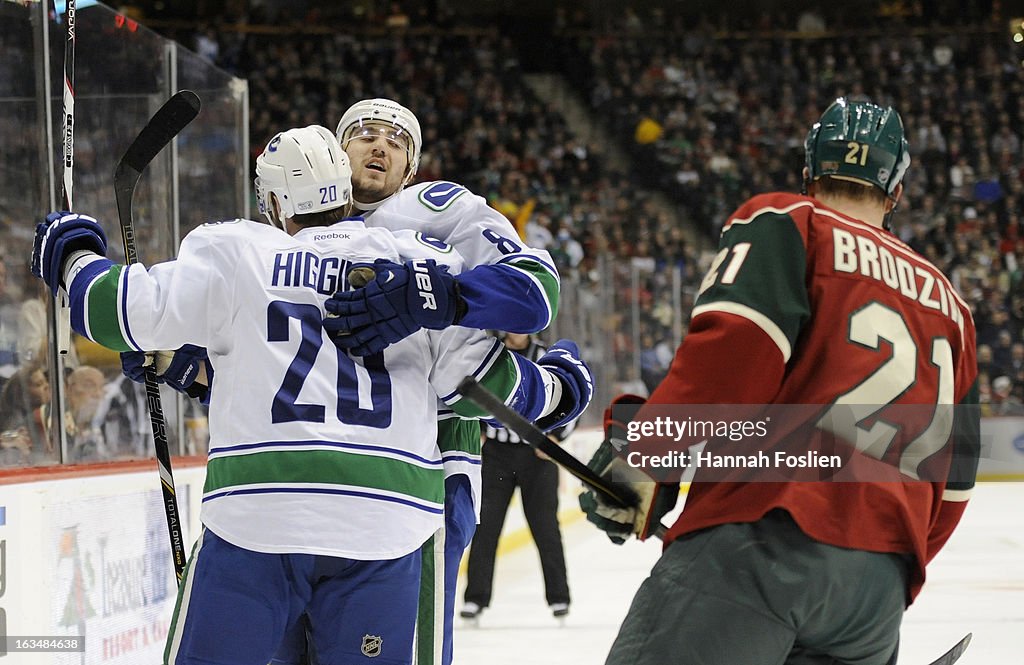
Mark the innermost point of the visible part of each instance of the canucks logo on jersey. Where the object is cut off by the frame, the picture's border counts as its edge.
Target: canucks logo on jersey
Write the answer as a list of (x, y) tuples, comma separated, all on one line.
[(439, 245), (440, 195)]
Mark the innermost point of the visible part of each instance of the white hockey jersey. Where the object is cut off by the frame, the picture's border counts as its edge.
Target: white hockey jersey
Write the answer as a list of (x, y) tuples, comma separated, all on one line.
[(311, 450), (483, 236)]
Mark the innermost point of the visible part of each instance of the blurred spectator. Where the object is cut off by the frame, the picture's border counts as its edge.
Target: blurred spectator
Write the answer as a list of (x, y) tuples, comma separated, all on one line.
[(122, 418), (9, 307), (655, 359), (397, 19), (1002, 401), (566, 251), (1002, 352), (648, 130), (86, 443), (23, 429), (810, 22)]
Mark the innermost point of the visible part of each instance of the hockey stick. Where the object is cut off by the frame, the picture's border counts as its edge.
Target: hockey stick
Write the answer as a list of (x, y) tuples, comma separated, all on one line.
[(954, 654), (621, 496), (62, 312), (161, 129), (471, 389)]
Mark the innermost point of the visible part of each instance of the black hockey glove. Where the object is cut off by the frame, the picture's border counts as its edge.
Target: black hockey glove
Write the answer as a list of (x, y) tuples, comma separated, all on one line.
[(654, 499)]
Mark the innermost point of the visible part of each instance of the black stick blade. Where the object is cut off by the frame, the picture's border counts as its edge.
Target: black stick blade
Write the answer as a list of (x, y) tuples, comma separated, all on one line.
[(176, 113), (161, 129), (954, 654), (532, 436)]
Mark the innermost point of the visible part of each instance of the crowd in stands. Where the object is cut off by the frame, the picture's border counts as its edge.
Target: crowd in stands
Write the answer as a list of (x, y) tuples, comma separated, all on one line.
[(708, 119), (713, 121), (485, 128)]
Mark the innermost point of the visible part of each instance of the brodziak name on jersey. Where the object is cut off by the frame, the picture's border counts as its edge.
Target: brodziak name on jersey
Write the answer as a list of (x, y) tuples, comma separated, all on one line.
[(872, 258)]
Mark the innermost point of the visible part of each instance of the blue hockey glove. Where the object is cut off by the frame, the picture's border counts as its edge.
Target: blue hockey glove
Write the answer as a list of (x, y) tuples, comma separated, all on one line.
[(61, 234), (654, 499), (178, 369), (563, 360), (398, 301)]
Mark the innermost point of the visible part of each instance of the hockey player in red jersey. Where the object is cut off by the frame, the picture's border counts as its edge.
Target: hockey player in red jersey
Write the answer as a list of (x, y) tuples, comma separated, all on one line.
[(811, 301)]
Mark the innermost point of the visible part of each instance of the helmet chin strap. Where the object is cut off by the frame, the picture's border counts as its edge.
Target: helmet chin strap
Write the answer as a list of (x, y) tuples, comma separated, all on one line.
[(887, 218), (276, 214), (367, 207)]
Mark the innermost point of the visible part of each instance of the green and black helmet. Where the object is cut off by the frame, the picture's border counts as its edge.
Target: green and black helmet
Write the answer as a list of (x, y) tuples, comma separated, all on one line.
[(858, 141)]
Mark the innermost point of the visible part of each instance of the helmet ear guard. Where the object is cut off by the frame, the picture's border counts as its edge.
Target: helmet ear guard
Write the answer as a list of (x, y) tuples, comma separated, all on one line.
[(306, 171), (858, 141)]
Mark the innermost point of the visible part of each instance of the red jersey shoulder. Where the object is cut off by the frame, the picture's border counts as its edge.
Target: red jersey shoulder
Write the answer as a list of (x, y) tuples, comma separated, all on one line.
[(775, 206)]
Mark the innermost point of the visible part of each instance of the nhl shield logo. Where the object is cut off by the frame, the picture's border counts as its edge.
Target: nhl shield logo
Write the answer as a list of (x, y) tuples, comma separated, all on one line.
[(371, 645)]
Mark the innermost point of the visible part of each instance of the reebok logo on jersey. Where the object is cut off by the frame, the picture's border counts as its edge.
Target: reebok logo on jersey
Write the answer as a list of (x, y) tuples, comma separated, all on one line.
[(331, 236), (424, 284)]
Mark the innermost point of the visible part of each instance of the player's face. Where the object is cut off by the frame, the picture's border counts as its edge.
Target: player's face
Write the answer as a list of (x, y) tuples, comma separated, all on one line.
[(379, 161)]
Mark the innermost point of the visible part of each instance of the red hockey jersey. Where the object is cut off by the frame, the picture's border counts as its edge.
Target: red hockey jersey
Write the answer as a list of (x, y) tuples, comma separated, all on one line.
[(806, 306)]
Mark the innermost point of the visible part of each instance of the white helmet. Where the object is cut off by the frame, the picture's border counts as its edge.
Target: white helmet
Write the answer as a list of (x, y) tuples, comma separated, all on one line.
[(388, 113), (308, 172)]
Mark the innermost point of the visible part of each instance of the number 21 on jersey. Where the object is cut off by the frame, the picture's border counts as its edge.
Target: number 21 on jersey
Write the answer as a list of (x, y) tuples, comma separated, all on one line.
[(869, 327), (736, 255)]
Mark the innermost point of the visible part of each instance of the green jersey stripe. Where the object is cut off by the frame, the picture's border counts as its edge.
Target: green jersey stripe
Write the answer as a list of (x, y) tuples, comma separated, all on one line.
[(328, 467), (458, 435), (502, 379), (548, 283), (102, 299), (759, 272)]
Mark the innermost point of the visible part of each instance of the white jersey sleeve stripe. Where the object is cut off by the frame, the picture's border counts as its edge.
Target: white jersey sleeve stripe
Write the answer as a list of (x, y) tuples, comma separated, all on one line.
[(123, 310), (530, 257), (461, 456), (958, 496)]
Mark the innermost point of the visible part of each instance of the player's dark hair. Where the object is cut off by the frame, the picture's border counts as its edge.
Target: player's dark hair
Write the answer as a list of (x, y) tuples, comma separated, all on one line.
[(324, 217), (848, 189)]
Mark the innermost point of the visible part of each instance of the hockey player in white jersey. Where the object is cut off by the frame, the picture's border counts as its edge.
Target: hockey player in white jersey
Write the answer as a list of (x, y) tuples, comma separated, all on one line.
[(323, 477), (507, 286)]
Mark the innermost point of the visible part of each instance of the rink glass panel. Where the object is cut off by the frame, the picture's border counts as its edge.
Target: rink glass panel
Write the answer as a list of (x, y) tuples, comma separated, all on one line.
[(123, 73)]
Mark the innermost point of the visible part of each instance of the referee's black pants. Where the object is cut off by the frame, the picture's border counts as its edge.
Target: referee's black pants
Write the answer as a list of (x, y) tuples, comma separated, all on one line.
[(505, 466)]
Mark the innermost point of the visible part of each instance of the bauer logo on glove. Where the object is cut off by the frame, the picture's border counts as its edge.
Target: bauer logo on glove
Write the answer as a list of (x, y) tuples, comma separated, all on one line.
[(397, 299)]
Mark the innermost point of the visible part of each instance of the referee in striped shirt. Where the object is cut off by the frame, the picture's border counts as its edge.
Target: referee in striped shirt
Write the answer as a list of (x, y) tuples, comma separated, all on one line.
[(509, 463)]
